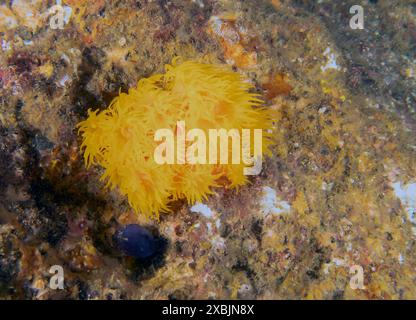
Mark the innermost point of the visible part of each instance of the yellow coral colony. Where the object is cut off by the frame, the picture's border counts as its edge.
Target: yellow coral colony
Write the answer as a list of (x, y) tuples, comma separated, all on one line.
[(121, 138)]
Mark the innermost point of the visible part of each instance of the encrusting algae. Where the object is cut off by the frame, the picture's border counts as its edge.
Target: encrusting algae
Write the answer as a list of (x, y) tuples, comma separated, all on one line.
[(121, 138)]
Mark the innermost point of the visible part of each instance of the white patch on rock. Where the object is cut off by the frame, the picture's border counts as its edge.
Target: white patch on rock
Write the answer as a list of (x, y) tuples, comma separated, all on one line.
[(64, 80), (270, 204), (200, 3), (407, 195), (218, 223), (68, 13), (202, 209), (5, 45), (332, 60), (339, 262)]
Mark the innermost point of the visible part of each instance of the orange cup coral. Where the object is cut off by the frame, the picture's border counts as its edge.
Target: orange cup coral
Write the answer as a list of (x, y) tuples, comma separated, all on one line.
[(121, 138)]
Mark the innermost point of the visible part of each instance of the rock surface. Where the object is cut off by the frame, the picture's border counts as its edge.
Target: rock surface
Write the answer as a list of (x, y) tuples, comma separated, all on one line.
[(330, 197)]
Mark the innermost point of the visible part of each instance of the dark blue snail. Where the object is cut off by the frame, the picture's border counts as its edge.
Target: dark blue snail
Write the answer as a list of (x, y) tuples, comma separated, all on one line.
[(136, 241)]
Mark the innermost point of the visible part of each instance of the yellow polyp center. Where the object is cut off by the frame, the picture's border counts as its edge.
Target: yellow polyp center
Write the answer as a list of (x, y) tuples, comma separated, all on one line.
[(126, 132)]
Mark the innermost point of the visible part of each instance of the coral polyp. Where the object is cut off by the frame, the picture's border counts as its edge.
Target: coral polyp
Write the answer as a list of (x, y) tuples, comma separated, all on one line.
[(121, 139)]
